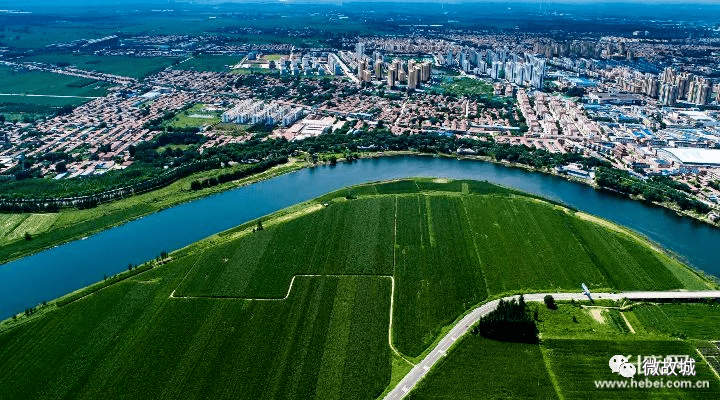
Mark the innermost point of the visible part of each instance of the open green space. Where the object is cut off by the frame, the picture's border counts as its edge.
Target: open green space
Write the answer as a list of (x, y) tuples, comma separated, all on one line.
[(17, 82), (579, 322), (133, 67), (254, 70), (196, 116), (208, 63), (480, 368), (272, 57), (301, 307), (467, 87), (696, 321), (576, 364)]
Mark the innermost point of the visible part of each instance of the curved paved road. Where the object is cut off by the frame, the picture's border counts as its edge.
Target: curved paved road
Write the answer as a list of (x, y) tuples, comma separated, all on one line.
[(421, 369)]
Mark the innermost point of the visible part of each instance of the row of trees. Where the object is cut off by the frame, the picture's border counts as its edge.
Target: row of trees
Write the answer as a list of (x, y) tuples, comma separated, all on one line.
[(238, 174), (15, 205), (656, 189)]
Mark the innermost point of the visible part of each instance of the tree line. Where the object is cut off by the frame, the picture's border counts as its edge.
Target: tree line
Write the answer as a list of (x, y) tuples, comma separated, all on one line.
[(655, 189), (238, 174), (510, 321)]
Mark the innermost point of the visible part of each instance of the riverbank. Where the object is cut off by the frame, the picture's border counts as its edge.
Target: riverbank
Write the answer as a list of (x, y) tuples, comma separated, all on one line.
[(78, 224), (50, 274), (665, 205), (71, 225), (685, 273)]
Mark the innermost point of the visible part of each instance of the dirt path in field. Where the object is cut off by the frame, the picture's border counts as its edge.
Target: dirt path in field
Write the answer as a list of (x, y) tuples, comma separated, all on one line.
[(628, 323), (597, 315)]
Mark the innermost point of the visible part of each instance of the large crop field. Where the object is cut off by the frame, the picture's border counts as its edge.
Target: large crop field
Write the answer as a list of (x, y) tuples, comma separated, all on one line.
[(576, 364), (481, 368), (46, 83), (133, 67), (208, 63), (34, 94), (302, 307), (697, 321)]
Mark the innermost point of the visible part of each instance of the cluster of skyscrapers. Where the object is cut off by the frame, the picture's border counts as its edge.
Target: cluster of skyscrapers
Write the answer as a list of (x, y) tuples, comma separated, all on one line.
[(393, 73), (676, 86), (523, 70)]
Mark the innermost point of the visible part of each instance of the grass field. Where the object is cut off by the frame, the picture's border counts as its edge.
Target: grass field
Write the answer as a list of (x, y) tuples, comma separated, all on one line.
[(195, 117), (480, 368), (39, 82), (576, 364), (208, 63), (467, 86), (559, 323), (697, 321), (133, 67), (249, 71), (301, 308)]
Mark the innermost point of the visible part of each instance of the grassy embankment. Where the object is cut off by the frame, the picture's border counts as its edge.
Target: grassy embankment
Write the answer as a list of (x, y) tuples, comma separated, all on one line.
[(49, 230), (223, 309)]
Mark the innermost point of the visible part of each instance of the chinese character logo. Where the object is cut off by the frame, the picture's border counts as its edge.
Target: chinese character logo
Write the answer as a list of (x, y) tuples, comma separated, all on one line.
[(653, 366)]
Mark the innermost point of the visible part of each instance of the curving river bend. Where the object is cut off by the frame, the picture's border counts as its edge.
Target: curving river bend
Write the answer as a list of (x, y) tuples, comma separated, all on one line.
[(60, 270)]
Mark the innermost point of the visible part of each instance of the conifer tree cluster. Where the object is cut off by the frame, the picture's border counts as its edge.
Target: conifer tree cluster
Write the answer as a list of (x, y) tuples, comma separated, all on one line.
[(511, 321)]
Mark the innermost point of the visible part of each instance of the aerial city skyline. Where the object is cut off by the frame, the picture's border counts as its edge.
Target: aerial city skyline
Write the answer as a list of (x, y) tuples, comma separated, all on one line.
[(360, 200)]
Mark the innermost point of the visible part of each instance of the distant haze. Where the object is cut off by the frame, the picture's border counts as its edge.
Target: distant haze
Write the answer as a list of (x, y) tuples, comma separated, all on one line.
[(5, 4)]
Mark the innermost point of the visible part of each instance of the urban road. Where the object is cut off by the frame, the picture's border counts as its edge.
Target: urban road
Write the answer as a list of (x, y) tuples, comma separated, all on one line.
[(421, 369)]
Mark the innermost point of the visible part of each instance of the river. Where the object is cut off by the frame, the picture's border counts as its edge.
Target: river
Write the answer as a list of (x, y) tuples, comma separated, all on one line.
[(60, 270)]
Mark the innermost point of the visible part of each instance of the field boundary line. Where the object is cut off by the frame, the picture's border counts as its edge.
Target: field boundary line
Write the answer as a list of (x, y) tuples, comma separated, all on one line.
[(292, 282), (551, 374), (172, 294), (629, 325), (708, 363)]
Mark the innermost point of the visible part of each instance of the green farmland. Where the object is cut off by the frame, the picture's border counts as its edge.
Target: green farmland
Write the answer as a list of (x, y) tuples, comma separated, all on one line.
[(574, 352), (697, 321), (576, 364), (18, 82), (132, 67), (302, 308), (480, 368), (208, 63), (34, 94)]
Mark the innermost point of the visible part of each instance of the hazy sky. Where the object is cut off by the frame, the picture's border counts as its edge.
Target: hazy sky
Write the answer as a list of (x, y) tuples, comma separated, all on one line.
[(17, 4)]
